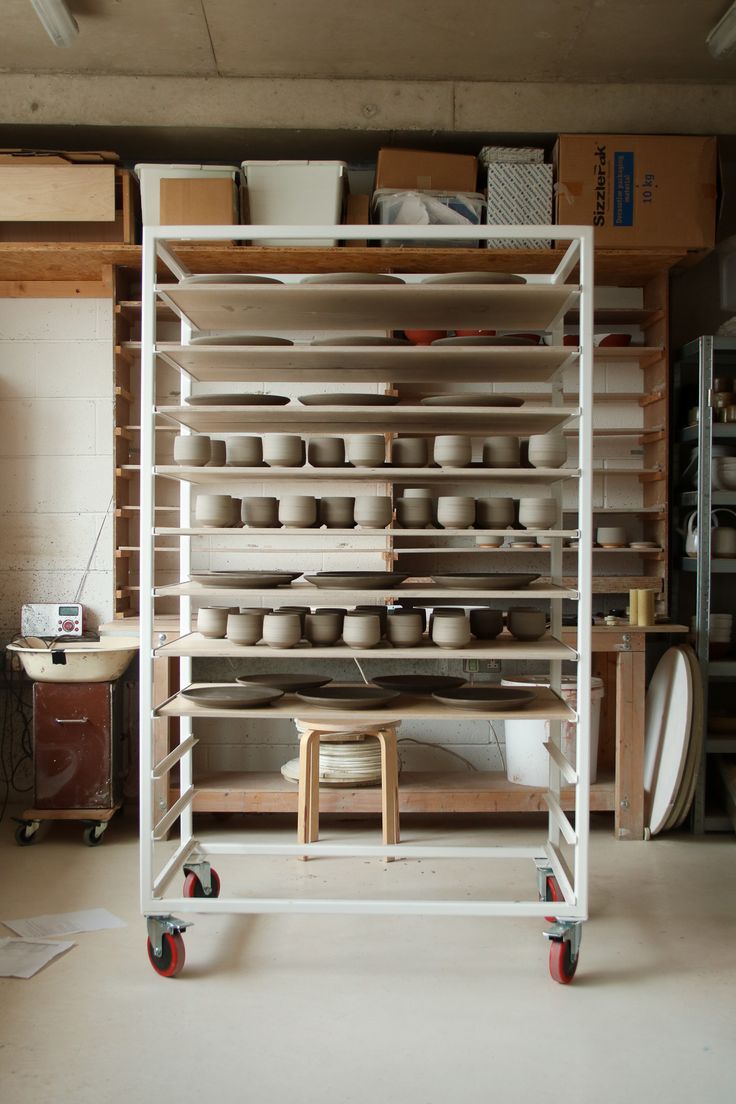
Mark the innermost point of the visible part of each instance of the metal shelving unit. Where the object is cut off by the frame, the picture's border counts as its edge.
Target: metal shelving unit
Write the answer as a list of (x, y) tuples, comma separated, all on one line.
[(703, 585), (560, 862)]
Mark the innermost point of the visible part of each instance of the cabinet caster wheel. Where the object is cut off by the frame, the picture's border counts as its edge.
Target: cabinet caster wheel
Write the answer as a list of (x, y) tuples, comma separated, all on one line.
[(552, 893), (25, 835), (94, 834), (171, 960), (194, 888), (562, 963)]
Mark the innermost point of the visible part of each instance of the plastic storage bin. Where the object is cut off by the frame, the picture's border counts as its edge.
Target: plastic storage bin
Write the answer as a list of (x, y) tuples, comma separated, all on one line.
[(428, 208), (150, 177), (527, 761), (288, 193)]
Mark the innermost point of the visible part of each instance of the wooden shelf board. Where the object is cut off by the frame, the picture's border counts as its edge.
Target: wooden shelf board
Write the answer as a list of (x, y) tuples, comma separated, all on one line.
[(505, 647), (619, 316), (529, 419), (407, 707), (210, 475), (167, 531), (258, 308), (323, 595), (420, 792)]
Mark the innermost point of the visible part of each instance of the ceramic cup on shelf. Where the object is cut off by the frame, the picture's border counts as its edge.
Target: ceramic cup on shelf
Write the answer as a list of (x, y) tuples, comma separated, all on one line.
[(537, 513), (336, 512), (212, 621), (244, 451), (409, 452), (494, 512), (612, 536), (218, 453), (526, 623), (455, 511), (192, 450), (297, 511), (323, 628), (373, 511), (301, 612), (260, 512), (366, 450), (414, 513), (282, 629), (548, 450), (326, 452), (245, 628), (283, 450), (452, 450), (451, 631), (486, 624), (404, 628), (501, 452), (381, 613), (723, 542), (214, 511), (361, 629)]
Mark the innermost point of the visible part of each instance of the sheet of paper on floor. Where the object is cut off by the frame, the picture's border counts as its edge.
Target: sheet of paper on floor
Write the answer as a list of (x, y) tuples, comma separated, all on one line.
[(22, 958), (64, 923)]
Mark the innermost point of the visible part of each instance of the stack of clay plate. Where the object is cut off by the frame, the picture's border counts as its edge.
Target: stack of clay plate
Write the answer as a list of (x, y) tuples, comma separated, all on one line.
[(354, 764), (673, 738)]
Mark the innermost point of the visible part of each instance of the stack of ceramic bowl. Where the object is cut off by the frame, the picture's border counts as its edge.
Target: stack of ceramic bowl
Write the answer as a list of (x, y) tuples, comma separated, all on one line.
[(548, 450), (193, 450), (217, 511), (453, 451), (724, 469), (501, 452)]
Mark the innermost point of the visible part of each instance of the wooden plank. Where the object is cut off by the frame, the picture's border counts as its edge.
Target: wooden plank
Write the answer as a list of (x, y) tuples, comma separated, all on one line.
[(421, 792), (52, 289), (630, 699), (57, 193)]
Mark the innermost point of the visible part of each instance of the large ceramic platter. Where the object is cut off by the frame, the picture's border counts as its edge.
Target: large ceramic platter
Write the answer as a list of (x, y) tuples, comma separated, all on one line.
[(474, 278), (290, 772), (257, 399), (356, 398), (668, 714), (360, 341), (245, 580), (686, 793), (350, 278), (418, 684), (479, 340), (288, 684), (485, 698), (480, 580), (227, 278), (230, 696), (350, 697), (356, 580), (238, 339), (472, 398)]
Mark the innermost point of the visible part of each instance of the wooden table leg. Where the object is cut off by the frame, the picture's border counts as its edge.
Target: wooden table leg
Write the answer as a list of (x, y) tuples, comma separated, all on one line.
[(630, 697), (389, 786), (308, 807)]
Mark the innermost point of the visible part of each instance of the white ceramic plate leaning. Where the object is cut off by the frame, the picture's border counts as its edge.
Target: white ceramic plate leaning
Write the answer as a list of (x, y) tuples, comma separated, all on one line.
[(668, 716), (686, 793)]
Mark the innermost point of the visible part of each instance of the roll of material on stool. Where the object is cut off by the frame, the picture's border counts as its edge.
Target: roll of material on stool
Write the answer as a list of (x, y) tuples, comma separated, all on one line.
[(645, 607)]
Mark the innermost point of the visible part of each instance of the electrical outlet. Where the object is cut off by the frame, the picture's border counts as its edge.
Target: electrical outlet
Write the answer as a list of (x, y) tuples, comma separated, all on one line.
[(492, 666)]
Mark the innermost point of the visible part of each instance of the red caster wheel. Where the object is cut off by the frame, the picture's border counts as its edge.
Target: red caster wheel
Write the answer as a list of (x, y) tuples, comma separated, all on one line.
[(552, 893), (562, 964), (171, 960), (194, 888)]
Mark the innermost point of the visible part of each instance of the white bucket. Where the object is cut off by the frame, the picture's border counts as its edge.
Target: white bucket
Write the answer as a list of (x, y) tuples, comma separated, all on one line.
[(527, 761), (150, 177)]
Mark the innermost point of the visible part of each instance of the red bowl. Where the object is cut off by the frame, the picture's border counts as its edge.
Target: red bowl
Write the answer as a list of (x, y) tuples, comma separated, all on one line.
[(615, 340), (571, 339), (424, 337)]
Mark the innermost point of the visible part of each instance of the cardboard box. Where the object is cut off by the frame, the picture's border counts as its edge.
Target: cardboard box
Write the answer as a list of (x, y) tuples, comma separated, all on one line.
[(424, 170), (59, 202), (198, 201), (358, 213), (638, 191), (519, 194)]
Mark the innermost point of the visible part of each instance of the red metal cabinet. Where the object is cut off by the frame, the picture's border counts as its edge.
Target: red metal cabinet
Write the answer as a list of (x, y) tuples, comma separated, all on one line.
[(76, 745)]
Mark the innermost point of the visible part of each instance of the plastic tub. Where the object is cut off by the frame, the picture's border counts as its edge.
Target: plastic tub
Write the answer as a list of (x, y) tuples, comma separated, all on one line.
[(428, 208), (289, 193), (150, 177), (527, 761)]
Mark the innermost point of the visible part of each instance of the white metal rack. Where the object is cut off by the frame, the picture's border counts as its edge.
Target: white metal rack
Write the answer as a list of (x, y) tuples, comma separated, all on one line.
[(562, 859)]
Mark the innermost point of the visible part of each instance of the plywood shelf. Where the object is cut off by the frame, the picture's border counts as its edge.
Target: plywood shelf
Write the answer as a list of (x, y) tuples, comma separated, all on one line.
[(210, 475)]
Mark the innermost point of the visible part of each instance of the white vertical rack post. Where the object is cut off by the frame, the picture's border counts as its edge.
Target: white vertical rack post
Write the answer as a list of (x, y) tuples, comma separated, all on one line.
[(562, 860)]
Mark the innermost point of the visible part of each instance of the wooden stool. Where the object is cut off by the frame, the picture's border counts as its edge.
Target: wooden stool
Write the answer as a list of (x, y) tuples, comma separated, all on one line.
[(311, 734)]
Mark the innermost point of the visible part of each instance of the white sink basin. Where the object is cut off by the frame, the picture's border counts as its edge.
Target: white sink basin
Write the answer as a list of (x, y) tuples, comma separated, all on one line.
[(75, 661)]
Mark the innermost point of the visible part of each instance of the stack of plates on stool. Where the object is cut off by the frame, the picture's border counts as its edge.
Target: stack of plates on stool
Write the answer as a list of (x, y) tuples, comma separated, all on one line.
[(355, 764)]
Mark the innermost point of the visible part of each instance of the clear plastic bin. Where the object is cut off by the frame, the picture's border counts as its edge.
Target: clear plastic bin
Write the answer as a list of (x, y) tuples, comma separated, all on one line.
[(428, 208)]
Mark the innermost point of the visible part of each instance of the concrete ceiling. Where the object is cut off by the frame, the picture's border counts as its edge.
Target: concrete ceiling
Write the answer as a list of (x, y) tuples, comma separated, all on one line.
[(596, 41)]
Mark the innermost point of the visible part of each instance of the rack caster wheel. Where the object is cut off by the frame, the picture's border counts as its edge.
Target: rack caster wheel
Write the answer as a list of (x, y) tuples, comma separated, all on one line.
[(194, 888), (25, 834), (171, 960), (94, 834), (562, 962), (552, 892)]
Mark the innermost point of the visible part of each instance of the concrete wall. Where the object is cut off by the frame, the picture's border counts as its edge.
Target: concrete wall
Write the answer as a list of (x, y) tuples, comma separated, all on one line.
[(56, 435)]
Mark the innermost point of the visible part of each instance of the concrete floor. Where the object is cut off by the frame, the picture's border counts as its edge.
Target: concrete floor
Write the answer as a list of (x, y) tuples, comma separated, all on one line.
[(356, 1009)]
